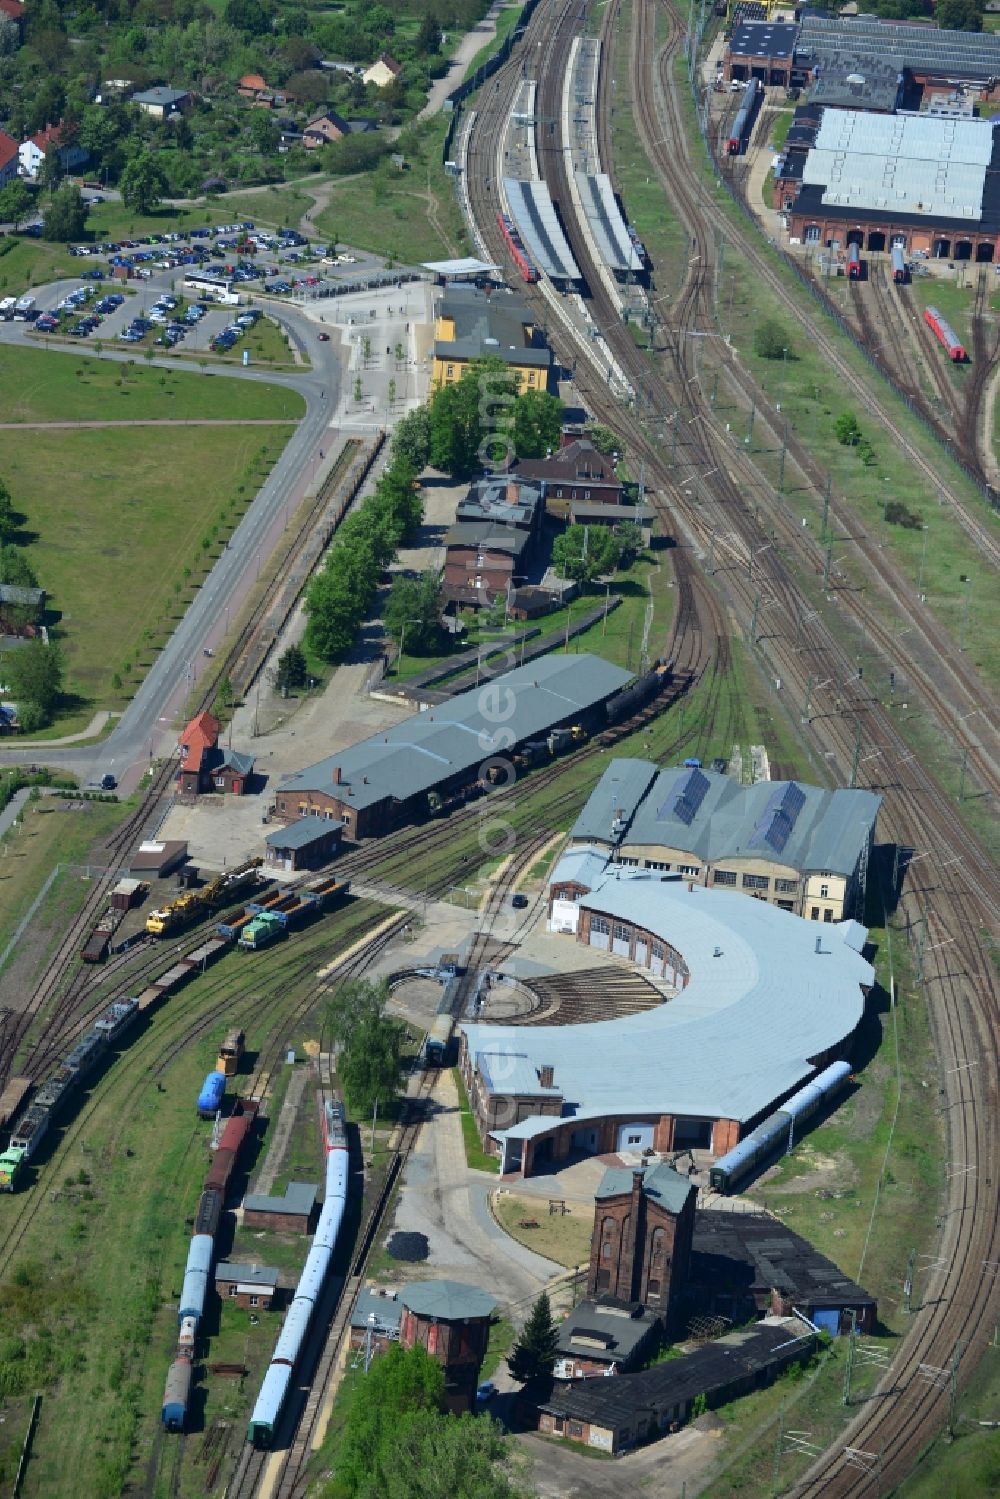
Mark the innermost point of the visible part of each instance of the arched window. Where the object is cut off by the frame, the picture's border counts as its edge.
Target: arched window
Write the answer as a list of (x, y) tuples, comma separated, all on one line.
[(607, 1238)]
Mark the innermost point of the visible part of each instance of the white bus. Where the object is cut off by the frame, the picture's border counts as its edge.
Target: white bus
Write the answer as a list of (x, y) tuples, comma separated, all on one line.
[(211, 289), (7, 308)]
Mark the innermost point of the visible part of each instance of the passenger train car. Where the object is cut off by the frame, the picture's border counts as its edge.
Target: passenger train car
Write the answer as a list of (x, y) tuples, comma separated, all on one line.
[(274, 1390)]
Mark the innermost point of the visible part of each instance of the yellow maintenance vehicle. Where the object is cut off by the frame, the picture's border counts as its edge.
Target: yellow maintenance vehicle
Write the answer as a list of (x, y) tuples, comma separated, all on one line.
[(195, 903)]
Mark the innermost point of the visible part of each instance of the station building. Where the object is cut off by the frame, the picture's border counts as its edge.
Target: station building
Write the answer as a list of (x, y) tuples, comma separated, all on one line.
[(473, 324), (802, 848), (756, 1000), (386, 780)]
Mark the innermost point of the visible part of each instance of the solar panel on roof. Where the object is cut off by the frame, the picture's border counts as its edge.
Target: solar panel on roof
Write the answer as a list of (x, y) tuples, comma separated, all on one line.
[(775, 824), (688, 797)]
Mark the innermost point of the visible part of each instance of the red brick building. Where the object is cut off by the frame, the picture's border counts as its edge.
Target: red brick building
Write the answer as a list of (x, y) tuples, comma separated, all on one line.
[(576, 471), (452, 1321), (641, 1244), (208, 766), (252, 1287), (482, 559), (290, 1214)]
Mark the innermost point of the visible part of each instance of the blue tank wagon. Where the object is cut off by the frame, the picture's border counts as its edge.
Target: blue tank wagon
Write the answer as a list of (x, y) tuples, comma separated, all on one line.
[(211, 1093)]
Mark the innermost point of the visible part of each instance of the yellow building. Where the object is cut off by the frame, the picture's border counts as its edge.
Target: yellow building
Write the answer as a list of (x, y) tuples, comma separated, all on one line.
[(471, 324), (383, 71)]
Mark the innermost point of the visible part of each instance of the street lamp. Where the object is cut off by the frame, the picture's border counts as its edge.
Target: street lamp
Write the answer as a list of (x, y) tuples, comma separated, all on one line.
[(923, 559)]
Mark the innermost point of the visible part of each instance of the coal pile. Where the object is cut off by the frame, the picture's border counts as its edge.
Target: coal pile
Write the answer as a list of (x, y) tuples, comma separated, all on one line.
[(409, 1247)]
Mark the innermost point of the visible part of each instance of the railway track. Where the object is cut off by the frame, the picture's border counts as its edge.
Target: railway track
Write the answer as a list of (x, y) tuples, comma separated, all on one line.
[(62, 982), (958, 978)]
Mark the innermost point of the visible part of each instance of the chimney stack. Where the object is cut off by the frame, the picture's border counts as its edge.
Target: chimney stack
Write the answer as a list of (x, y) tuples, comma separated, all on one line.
[(546, 1075), (336, 775)]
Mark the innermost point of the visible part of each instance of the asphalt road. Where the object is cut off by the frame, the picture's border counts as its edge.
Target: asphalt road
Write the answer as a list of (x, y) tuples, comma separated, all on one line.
[(139, 734)]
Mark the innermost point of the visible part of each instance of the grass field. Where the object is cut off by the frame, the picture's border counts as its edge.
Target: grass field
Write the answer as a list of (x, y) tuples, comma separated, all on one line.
[(475, 1156), (140, 512), (563, 1238), (406, 216), (52, 386)]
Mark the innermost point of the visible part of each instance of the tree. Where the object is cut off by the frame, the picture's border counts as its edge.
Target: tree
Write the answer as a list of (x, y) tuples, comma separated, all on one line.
[(426, 1455), (354, 1003), (142, 183), (264, 132), (51, 172), (412, 612), (291, 668), (247, 15), (65, 215), (847, 430), (15, 568), (411, 441), (584, 552), (771, 340), (9, 519), (429, 35), (629, 534), (15, 202), (399, 1383), (538, 419), (959, 15), (464, 414), (606, 441), (369, 1067), (33, 673), (534, 1354)]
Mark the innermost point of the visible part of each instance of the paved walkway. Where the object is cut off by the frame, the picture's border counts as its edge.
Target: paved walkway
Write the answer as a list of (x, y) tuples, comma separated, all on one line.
[(12, 811), (282, 1131), (444, 1200), (92, 730), (472, 42)]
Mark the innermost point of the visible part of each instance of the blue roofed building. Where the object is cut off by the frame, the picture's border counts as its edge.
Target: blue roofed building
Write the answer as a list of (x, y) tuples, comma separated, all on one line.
[(756, 1000), (803, 848)]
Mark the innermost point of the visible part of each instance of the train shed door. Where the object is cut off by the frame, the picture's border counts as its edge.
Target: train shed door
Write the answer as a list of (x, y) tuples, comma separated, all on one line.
[(635, 1137), (942, 249), (694, 1133), (984, 253), (828, 1318)]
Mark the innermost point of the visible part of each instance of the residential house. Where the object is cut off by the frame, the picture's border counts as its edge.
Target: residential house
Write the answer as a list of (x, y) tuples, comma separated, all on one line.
[(208, 766), (162, 102), (324, 130), (577, 470), (254, 86), (8, 158), (473, 323), (15, 11), (383, 71), (21, 609), (482, 560), (32, 152)]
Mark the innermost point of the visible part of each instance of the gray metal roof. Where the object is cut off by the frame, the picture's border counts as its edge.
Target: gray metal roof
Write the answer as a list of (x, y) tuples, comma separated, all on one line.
[(458, 735), (606, 223), (303, 832), (506, 1071), (846, 80), (247, 1275), (961, 53), (583, 865), (491, 535), (446, 1300), (534, 214), (160, 95), (760, 1002), (714, 818), (493, 325), (913, 164), (661, 1182), (619, 1332), (620, 790), (387, 1310), (299, 1198)]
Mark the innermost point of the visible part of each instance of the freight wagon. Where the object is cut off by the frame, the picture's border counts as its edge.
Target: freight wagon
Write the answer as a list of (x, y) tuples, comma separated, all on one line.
[(230, 1052), (177, 1393), (744, 118), (438, 1043), (12, 1098), (946, 334)]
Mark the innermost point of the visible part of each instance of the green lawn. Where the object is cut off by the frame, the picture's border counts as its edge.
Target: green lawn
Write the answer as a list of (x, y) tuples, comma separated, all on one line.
[(121, 560), (30, 262), (475, 1156), (409, 216), (279, 206), (47, 385)]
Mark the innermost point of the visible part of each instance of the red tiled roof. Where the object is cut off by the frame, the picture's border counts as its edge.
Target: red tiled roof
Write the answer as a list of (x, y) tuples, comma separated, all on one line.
[(12, 8), (249, 80), (8, 147), (201, 734)]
